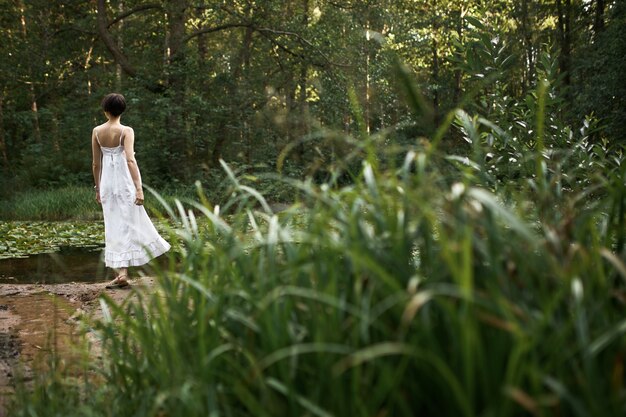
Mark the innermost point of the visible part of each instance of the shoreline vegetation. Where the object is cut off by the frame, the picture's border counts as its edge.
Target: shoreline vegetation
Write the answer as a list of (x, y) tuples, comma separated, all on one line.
[(64, 203), (76, 202)]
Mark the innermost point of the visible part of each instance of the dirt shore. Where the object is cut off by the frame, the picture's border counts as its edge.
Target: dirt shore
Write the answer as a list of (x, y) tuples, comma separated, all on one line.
[(36, 319)]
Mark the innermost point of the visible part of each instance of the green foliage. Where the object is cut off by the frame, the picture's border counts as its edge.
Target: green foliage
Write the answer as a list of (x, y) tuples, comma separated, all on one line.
[(282, 73), (603, 91), (413, 290), (69, 202)]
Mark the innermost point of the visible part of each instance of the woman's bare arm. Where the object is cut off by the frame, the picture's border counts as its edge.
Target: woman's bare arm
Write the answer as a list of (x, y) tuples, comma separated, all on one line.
[(96, 164), (129, 148)]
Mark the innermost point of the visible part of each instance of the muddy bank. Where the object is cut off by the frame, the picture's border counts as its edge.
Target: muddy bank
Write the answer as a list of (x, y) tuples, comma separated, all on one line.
[(36, 319)]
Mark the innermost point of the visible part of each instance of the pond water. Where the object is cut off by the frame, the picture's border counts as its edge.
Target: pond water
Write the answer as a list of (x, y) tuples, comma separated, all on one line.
[(67, 264), (51, 252), (54, 252)]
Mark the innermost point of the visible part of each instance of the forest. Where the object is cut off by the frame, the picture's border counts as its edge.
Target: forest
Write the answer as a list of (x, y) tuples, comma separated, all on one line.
[(245, 81), (375, 207)]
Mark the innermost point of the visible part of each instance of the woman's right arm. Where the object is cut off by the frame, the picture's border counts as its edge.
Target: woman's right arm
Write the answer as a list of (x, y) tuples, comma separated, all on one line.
[(96, 164)]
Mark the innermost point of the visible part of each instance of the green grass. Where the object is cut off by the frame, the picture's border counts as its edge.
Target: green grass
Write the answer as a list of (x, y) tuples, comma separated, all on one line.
[(69, 202), (72, 203)]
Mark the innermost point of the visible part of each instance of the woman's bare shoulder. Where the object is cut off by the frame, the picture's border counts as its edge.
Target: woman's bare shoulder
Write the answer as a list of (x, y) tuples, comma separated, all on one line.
[(98, 128), (128, 131)]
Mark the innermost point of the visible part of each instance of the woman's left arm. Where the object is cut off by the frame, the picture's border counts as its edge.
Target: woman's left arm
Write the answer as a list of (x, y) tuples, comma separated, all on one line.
[(129, 148)]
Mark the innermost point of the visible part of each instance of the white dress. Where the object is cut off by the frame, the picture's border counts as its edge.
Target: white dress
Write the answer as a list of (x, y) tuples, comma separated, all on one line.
[(130, 237)]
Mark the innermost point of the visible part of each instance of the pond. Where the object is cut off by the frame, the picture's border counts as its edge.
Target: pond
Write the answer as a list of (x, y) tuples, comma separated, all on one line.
[(56, 252), (51, 252), (68, 264)]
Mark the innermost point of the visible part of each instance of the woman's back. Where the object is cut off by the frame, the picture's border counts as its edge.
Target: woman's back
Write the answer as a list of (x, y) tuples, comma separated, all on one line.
[(110, 136)]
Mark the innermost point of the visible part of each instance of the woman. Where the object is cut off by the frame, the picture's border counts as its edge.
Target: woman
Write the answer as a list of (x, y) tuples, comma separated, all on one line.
[(130, 236)]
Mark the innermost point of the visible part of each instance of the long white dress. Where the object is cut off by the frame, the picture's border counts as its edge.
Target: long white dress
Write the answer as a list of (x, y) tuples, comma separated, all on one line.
[(130, 237)]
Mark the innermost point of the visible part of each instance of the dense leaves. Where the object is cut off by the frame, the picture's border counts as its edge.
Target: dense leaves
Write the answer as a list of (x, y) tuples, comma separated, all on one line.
[(248, 80)]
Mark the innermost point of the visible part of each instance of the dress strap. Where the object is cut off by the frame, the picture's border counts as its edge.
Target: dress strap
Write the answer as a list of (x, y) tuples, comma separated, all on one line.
[(97, 139), (121, 134)]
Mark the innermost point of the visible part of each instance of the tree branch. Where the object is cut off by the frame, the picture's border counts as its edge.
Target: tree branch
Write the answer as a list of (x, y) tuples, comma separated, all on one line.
[(115, 50), (110, 43), (305, 42), (281, 46), (133, 11), (74, 29), (215, 29)]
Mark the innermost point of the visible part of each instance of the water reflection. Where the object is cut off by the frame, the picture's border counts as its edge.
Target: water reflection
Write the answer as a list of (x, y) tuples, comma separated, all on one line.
[(69, 264)]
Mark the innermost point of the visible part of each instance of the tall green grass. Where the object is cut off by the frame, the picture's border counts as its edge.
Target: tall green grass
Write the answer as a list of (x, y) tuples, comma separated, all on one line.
[(73, 203), (69, 202), (416, 290)]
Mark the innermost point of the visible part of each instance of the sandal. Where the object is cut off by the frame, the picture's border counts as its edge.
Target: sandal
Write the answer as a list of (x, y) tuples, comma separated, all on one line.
[(118, 282)]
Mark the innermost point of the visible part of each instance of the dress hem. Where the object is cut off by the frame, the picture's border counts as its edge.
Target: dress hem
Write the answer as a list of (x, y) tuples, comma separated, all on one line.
[(136, 257)]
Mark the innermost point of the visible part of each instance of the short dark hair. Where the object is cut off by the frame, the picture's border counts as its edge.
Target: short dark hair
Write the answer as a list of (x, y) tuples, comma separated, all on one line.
[(114, 103)]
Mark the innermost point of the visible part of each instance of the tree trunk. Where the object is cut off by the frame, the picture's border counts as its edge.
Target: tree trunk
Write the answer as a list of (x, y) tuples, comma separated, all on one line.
[(176, 135), (435, 75), (3, 147), (109, 41), (112, 46), (564, 24), (458, 75), (176, 29), (367, 113), (166, 45), (598, 25), (568, 42), (303, 80), (303, 108), (245, 49), (527, 36), (201, 42), (290, 106), (202, 50), (216, 153), (120, 42), (244, 102), (237, 103), (87, 60), (31, 85)]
